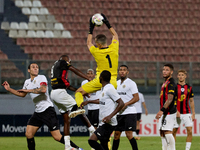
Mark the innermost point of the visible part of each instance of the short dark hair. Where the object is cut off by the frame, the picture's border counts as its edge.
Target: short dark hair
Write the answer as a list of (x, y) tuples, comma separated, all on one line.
[(101, 38), (124, 66), (29, 66), (62, 56), (106, 75), (170, 66)]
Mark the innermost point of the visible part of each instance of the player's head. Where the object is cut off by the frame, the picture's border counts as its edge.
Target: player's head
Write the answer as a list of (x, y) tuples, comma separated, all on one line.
[(182, 74), (167, 71), (33, 69), (105, 76), (101, 41), (66, 58), (123, 72), (90, 74)]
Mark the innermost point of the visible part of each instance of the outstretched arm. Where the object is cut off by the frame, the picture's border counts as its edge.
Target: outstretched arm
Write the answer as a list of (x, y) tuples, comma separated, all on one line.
[(89, 38), (112, 30), (78, 72), (13, 91), (42, 89)]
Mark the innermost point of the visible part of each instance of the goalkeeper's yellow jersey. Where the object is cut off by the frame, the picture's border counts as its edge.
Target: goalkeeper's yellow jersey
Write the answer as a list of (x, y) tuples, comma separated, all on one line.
[(106, 58)]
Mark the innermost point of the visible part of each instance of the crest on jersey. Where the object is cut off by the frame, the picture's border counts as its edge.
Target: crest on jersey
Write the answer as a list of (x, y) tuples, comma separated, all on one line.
[(188, 90), (124, 86), (102, 94), (34, 81), (182, 89)]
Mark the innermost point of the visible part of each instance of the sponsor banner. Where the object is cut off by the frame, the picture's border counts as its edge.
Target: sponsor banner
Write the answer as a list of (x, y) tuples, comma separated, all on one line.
[(15, 125), (150, 127)]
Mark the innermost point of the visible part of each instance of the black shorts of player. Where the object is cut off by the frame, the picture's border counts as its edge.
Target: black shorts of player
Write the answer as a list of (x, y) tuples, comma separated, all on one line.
[(139, 116), (103, 132), (93, 116), (47, 117), (126, 122)]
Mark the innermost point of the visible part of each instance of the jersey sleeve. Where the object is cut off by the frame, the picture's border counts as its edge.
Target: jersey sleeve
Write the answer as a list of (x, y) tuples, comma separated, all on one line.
[(114, 45), (43, 80), (171, 88), (141, 97), (112, 93), (133, 87), (191, 93), (64, 65), (92, 49), (25, 84)]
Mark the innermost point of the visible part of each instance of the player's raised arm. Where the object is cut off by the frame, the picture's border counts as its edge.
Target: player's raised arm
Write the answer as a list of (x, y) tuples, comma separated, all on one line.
[(13, 91), (91, 28), (112, 30), (78, 72)]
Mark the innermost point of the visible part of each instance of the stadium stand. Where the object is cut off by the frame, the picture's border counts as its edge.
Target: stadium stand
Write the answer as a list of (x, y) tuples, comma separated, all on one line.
[(148, 31)]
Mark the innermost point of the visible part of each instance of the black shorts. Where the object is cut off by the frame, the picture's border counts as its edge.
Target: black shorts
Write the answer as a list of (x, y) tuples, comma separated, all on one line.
[(48, 117), (103, 132), (93, 116), (139, 116), (126, 122)]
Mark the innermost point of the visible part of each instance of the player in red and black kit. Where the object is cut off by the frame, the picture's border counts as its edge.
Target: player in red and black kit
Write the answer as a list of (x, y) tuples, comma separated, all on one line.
[(65, 102), (184, 96), (167, 113)]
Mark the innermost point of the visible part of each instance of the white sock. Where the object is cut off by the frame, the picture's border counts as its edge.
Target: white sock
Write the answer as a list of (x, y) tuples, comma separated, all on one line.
[(164, 143), (91, 129), (67, 141), (188, 145), (170, 141)]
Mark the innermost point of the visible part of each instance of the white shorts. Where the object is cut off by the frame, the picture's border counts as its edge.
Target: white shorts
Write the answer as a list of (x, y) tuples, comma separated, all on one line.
[(62, 100), (186, 119), (167, 122)]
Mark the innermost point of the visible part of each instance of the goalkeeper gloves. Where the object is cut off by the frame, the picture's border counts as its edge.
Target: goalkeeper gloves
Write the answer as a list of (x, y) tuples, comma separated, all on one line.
[(106, 21), (91, 28)]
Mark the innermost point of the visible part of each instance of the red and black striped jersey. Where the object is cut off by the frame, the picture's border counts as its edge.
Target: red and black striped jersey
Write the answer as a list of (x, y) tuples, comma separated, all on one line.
[(184, 93), (168, 87), (59, 73)]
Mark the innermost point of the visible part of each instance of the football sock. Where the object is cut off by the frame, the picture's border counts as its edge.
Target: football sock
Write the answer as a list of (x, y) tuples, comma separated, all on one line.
[(137, 132), (78, 98), (115, 144), (170, 141), (91, 129), (164, 143), (188, 145), (95, 145), (31, 143), (133, 144), (67, 141), (71, 143)]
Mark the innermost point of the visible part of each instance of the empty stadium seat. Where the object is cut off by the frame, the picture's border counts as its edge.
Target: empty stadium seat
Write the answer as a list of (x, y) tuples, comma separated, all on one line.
[(33, 18), (36, 3), (5, 25), (19, 3), (23, 25), (26, 11), (27, 3), (14, 25)]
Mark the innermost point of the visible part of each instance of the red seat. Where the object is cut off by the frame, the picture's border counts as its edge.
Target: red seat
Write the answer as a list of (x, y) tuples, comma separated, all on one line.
[(152, 51), (187, 51), (62, 4), (161, 51), (172, 36), (29, 41), (135, 43), (162, 43), (188, 43), (180, 36), (155, 28), (154, 35), (138, 27), (169, 58), (153, 43), (170, 43), (143, 51), (21, 41), (56, 41), (163, 35), (137, 35), (144, 43), (170, 51), (146, 28), (38, 41), (179, 43), (145, 35), (128, 35)]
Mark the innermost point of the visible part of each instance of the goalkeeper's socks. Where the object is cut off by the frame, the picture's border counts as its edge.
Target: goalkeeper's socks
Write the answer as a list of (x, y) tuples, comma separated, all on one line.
[(78, 98), (31, 143), (95, 145), (133, 143), (115, 144)]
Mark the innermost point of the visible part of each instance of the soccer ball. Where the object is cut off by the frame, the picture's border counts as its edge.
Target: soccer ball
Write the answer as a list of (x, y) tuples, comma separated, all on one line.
[(97, 19)]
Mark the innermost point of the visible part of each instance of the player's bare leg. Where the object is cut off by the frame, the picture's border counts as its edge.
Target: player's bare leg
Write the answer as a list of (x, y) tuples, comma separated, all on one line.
[(174, 133), (189, 138)]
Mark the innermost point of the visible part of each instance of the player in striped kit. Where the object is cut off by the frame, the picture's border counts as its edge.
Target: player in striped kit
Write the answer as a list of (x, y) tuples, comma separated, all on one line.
[(167, 113), (184, 96)]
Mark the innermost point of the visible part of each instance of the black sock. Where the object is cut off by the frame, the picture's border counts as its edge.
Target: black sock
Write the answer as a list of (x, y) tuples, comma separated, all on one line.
[(137, 131), (115, 144), (95, 145), (133, 144), (73, 144), (31, 143), (62, 140)]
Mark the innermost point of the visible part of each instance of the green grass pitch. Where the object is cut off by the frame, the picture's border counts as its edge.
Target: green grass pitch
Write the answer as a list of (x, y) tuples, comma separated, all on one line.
[(48, 143)]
